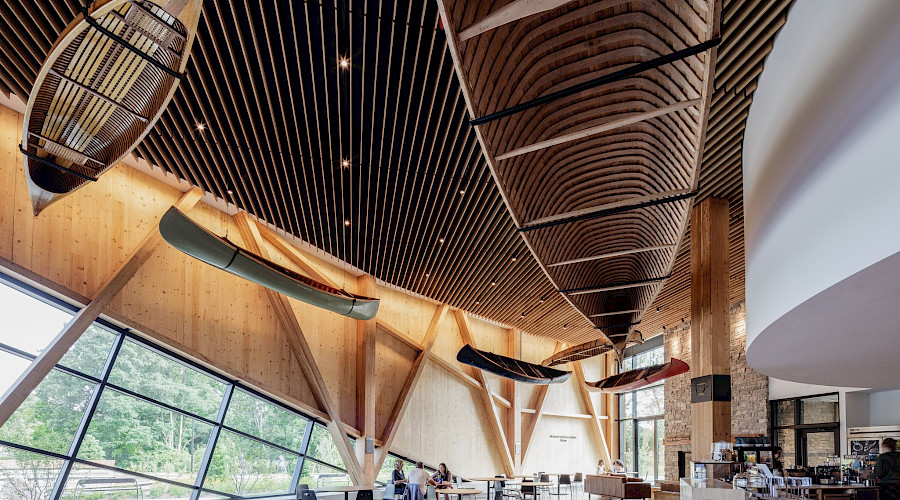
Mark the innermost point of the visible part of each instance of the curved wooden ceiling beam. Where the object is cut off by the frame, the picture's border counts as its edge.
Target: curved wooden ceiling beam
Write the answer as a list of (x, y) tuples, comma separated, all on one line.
[(510, 12), (599, 129)]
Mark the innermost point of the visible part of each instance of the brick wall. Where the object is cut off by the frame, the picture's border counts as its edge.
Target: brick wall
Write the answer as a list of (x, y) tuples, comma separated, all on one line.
[(749, 389)]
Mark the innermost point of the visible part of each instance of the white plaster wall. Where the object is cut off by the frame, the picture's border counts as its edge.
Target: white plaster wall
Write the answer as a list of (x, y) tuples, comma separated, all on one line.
[(884, 408), (821, 174)]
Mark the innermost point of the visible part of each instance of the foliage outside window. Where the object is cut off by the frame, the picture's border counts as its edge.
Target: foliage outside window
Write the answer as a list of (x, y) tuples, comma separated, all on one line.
[(117, 407), (641, 420)]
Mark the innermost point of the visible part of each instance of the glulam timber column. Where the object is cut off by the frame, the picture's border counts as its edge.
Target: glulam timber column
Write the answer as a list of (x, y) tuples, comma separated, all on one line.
[(365, 384), (710, 339)]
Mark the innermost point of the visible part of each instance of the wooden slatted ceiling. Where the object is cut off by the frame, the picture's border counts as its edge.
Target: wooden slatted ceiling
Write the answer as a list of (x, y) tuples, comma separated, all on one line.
[(620, 143), (281, 117)]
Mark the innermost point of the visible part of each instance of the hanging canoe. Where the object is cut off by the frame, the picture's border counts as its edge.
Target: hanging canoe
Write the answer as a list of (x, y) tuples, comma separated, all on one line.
[(189, 237), (510, 368), (640, 377), (106, 81), (579, 352)]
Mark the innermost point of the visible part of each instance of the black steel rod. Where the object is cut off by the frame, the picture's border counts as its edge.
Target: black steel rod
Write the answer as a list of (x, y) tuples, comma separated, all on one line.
[(54, 165), (610, 285), (611, 211), (596, 82), (124, 43), (618, 325)]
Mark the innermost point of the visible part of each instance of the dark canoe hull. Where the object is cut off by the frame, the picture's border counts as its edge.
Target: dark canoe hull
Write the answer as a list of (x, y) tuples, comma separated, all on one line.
[(640, 377), (105, 83), (189, 237), (511, 368)]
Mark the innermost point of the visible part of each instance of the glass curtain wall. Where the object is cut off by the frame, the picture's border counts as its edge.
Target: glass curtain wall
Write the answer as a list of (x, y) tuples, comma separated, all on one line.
[(641, 420), (122, 417)]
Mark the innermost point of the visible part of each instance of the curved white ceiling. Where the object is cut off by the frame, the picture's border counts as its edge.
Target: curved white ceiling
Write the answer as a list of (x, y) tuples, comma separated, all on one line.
[(822, 198)]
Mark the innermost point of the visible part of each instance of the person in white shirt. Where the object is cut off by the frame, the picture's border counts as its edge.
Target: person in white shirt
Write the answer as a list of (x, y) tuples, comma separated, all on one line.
[(420, 477)]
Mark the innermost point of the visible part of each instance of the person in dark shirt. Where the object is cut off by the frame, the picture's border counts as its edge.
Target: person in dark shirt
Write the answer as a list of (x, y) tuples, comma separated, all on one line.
[(444, 474), (887, 471), (398, 478), (777, 463)]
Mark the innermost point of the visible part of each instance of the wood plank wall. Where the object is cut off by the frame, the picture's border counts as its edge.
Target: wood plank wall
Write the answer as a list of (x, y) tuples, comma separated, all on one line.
[(228, 324)]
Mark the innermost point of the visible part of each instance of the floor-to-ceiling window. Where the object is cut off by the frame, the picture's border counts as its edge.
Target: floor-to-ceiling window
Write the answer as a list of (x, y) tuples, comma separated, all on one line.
[(123, 416), (641, 423)]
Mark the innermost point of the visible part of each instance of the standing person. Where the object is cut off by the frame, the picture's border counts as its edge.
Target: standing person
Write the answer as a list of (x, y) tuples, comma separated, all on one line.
[(443, 473), (398, 478), (777, 462), (887, 471)]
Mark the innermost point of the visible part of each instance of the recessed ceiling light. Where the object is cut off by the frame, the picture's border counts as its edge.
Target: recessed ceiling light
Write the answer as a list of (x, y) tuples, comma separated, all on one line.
[(514, 259), (477, 302), (230, 191), (427, 275), (565, 325), (462, 191), (345, 163), (493, 283), (345, 63), (441, 240), (523, 315), (347, 222), (201, 127)]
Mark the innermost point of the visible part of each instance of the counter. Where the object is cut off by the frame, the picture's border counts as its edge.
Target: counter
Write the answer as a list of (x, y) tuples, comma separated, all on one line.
[(710, 489)]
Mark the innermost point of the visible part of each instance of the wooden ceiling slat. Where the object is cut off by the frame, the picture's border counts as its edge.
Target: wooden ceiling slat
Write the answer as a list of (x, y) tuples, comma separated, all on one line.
[(281, 115)]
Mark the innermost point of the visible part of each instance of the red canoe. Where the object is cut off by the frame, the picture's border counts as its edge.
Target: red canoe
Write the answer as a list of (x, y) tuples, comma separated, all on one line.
[(640, 377)]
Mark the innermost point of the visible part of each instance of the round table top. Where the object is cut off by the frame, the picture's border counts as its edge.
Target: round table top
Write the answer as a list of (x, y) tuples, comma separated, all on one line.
[(535, 483), (459, 491), (344, 489)]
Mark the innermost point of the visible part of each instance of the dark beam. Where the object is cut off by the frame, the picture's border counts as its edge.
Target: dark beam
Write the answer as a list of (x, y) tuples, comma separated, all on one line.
[(613, 286), (596, 82)]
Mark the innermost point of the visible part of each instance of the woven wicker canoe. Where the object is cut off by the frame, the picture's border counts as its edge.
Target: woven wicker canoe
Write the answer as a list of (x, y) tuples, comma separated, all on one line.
[(106, 81)]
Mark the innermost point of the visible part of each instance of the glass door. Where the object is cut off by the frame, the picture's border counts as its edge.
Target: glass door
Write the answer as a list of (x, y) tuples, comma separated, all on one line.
[(818, 445)]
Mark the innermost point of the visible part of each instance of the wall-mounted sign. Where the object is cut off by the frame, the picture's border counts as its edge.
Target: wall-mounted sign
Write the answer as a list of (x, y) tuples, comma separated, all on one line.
[(562, 439)]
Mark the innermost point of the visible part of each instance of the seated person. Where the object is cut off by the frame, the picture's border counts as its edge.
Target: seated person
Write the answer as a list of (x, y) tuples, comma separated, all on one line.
[(398, 478), (601, 467), (443, 476), (618, 466), (418, 482)]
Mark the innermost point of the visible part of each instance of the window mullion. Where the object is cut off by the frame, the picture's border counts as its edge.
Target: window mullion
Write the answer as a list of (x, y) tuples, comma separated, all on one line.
[(304, 447), (212, 441), (63, 476)]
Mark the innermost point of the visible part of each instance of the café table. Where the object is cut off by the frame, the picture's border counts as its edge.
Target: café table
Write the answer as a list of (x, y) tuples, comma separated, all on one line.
[(822, 489), (344, 489), (459, 492), (535, 485), (557, 474), (490, 481)]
